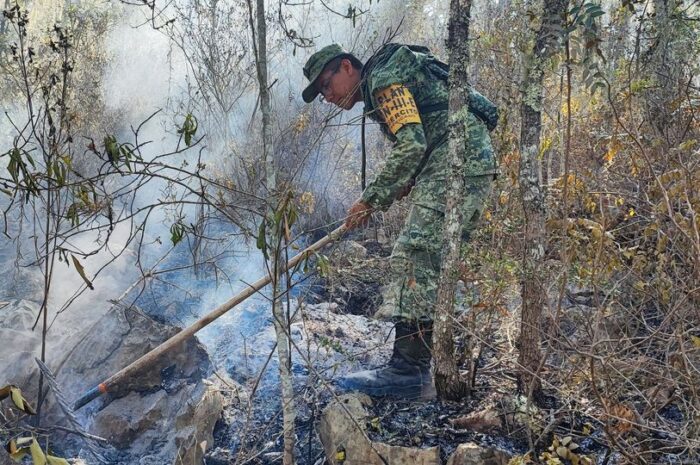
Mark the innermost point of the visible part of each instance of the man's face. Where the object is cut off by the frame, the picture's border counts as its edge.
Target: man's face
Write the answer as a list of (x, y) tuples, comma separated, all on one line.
[(339, 87)]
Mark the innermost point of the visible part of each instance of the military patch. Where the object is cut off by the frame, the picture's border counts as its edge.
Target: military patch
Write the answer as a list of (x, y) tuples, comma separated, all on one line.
[(396, 106)]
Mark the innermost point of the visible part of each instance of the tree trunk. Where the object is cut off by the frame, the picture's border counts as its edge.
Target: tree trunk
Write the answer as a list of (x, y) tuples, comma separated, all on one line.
[(449, 384), (281, 321), (285, 363), (270, 172), (664, 61), (534, 297)]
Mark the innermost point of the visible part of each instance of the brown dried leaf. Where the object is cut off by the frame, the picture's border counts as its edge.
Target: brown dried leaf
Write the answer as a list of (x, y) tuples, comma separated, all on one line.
[(621, 418), (5, 392), (81, 271)]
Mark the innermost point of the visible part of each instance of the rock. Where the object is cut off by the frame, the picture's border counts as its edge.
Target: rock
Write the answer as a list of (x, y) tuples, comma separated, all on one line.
[(339, 337), (165, 415), (342, 430), (19, 343), (143, 425), (329, 342), (347, 252), (474, 454), (521, 415)]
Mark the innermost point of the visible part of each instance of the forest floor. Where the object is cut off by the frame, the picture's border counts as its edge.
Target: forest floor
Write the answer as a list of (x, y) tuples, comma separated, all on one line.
[(494, 416)]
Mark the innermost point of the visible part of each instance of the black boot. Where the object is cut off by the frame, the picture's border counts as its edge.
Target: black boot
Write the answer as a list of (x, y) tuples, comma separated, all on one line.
[(407, 374)]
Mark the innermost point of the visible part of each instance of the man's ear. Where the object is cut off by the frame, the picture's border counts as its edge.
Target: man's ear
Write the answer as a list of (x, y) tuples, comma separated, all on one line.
[(346, 65)]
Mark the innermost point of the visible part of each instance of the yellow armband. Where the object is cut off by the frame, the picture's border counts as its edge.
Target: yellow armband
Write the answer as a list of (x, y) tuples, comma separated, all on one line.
[(396, 106)]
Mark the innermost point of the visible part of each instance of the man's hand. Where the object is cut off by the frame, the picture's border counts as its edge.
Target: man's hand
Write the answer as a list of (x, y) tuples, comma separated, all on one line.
[(358, 215)]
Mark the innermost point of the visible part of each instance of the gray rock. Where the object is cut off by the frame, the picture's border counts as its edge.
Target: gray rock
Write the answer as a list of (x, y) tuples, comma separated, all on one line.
[(165, 415), (474, 454), (345, 252), (342, 430), (331, 343)]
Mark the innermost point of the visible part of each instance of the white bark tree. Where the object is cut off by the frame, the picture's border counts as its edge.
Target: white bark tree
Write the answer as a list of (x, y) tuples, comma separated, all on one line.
[(448, 382), (544, 45), (275, 267)]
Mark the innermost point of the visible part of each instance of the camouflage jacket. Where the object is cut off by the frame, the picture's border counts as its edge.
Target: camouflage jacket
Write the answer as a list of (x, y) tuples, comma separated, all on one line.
[(417, 70)]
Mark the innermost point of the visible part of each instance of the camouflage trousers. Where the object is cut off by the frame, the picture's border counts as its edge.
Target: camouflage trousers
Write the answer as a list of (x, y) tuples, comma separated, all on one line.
[(416, 259)]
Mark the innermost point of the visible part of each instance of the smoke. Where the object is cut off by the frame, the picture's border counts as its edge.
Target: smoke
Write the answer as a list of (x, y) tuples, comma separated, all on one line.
[(144, 74), (147, 72)]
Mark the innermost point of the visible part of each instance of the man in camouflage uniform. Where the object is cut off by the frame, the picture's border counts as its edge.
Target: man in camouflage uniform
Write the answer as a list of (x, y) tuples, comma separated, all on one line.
[(404, 88)]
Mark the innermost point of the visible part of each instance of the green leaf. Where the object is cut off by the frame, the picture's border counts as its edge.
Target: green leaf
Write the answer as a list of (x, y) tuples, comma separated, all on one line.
[(126, 153), (38, 457), (562, 452), (112, 149), (322, 265), (292, 216), (72, 215), (59, 173), (14, 164), (177, 233), (81, 271), (278, 216), (261, 242), (597, 85), (52, 460), (189, 128), (18, 399), (30, 159)]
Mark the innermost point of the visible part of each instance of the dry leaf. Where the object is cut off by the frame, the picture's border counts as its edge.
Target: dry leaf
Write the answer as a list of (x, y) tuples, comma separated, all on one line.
[(81, 271), (621, 418)]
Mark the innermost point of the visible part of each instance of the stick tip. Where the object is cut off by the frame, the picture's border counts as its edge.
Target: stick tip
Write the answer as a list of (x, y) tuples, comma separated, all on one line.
[(90, 395)]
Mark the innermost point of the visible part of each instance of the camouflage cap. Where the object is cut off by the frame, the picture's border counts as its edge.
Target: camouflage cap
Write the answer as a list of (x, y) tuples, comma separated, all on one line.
[(314, 67)]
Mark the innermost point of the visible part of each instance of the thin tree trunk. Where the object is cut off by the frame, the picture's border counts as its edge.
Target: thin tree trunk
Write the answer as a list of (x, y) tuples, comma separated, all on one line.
[(285, 363), (270, 172), (534, 297), (279, 315), (448, 382), (44, 309), (663, 63)]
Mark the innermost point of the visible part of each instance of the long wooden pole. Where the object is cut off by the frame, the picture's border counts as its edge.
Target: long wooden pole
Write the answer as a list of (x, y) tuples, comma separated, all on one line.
[(188, 332)]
